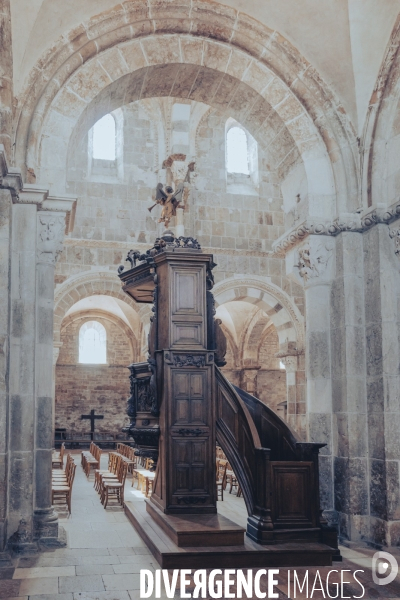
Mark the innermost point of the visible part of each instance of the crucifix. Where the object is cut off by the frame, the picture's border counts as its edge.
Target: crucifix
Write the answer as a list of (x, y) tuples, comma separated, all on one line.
[(92, 418)]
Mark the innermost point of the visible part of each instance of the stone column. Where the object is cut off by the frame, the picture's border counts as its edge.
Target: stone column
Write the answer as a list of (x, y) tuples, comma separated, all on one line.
[(382, 316), (50, 235), (349, 388), (295, 392), (312, 264), (37, 234), (10, 184), (5, 220)]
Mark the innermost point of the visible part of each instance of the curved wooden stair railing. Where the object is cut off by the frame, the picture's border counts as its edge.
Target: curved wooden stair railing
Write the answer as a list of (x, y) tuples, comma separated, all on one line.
[(278, 474)]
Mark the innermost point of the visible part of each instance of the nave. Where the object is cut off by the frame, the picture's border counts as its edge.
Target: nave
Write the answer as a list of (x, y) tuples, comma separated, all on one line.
[(104, 554)]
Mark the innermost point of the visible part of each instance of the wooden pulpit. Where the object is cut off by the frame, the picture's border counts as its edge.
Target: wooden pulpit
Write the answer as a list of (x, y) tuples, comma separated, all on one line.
[(181, 405)]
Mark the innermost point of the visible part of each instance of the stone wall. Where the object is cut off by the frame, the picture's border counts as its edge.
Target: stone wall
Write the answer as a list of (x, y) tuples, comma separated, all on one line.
[(81, 388), (112, 213)]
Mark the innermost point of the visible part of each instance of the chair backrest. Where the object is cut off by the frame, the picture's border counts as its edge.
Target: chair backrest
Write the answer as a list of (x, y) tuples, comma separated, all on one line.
[(123, 469), (71, 475), (221, 469)]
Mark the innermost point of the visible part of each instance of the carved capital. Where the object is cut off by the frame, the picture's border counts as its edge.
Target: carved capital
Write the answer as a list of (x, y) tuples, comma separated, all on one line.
[(290, 363), (312, 261), (395, 235), (51, 231)]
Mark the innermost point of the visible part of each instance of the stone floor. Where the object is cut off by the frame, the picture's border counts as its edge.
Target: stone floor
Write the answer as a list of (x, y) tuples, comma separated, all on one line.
[(105, 554)]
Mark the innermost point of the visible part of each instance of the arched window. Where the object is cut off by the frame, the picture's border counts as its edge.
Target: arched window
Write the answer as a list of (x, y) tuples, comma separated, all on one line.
[(92, 344), (104, 138), (237, 152)]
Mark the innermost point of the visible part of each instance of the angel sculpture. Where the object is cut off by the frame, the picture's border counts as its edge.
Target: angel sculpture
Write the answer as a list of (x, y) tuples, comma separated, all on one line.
[(169, 201)]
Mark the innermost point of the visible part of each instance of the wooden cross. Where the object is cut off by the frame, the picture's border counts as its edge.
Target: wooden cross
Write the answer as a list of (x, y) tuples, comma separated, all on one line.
[(92, 418)]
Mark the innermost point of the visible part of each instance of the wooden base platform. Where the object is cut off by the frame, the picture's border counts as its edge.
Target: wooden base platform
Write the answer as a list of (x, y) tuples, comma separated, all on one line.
[(249, 555), (197, 530)]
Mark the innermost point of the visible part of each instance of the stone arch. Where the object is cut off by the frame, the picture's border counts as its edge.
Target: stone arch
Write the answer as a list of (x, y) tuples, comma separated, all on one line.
[(274, 302), (107, 316), (135, 36), (380, 128), (251, 339), (92, 283)]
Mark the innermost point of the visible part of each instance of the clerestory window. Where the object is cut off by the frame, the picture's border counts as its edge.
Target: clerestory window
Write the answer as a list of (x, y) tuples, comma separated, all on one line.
[(92, 344), (104, 138), (241, 160)]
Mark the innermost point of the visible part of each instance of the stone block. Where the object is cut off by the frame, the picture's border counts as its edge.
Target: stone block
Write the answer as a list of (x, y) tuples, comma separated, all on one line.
[(320, 430), (319, 355), (378, 494), (358, 486), (374, 349), (22, 416), (341, 483), (375, 395), (393, 490), (44, 421), (357, 434), (325, 482), (376, 439), (43, 478)]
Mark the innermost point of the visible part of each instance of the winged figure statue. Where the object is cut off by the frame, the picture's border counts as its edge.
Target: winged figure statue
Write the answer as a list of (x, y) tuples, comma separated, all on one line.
[(169, 200)]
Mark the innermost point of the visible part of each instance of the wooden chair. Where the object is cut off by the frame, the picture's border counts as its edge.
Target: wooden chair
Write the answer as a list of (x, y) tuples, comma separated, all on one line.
[(64, 491), (113, 466), (221, 477), (61, 475), (93, 460), (231, 479), (114, 488), (58, 457)]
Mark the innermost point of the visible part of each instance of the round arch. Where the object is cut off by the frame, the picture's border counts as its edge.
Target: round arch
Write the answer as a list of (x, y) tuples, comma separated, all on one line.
[(382, 129), (93, 315), (72, 73), (274, 302), (93, 283)]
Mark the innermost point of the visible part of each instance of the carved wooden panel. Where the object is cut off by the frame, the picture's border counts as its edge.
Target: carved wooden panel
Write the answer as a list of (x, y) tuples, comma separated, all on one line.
[(186, 299), (293, 491), (188, 390), (189, 460), (187, 334)]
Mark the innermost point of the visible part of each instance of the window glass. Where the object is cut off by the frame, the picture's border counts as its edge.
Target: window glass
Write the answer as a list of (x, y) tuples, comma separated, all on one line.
[(237, 154), (104, 138), (92, 344)]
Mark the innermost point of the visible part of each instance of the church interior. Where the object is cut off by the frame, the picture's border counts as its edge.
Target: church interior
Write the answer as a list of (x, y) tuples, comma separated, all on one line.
[(200, 283)]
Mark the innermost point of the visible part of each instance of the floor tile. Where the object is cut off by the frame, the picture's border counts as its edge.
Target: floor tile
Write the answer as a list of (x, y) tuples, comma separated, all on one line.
[(43, 572), (121, 582), (9, 588), (40, 585), (81, 583), (52, 597), (96, 569), (121, 595)]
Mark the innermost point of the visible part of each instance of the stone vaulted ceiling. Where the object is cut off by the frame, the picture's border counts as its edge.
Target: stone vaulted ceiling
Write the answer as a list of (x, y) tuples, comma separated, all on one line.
[(345, 40)]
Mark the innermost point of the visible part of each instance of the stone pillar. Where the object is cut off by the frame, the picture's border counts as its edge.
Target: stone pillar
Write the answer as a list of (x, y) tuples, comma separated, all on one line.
[(349, 406), (312, 264), (50, 235), (10, 184), (295, 392), (56, 353), (5, 220), (382, 316), (37, 234)]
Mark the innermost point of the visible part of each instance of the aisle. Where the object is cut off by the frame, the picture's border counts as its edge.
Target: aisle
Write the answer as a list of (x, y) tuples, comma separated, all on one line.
[(102, 560)]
